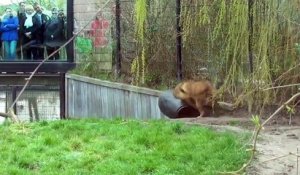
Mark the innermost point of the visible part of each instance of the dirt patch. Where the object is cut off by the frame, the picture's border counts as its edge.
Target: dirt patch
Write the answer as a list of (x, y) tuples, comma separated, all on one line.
[(277, 150), (277, 145)]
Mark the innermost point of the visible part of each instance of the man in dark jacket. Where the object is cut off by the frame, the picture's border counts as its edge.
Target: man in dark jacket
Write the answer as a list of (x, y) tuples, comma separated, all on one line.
[(21, 15), (42, 20), (54, 34)]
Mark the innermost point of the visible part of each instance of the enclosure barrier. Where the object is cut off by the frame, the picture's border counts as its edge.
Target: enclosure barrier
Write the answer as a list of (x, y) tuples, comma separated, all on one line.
[(89, 97)]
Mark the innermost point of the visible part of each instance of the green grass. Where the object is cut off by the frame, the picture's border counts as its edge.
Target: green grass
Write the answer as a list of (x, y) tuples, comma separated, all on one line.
[(128, 147)]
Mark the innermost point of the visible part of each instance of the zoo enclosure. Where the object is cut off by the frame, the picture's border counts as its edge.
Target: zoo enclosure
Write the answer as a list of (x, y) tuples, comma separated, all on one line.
[(216, 41), (225, 41), (243, 46)]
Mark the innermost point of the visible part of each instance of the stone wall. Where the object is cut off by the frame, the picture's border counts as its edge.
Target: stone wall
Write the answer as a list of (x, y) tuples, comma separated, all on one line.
[(99, 33)]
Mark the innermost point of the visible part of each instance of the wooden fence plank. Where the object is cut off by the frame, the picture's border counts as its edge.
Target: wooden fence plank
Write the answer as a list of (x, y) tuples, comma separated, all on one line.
[(89, 97)]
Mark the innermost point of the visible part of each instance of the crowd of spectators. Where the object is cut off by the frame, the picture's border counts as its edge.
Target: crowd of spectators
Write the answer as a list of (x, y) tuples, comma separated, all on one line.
[(28, 32)]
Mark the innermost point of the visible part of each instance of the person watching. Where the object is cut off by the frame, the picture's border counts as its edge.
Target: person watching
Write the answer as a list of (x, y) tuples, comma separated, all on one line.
[(28, 28), (9, 28), (21, 15), (54, 34), (42, 20)]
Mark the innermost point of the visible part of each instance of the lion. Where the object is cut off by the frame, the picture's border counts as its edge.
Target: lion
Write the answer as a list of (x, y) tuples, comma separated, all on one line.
[(197, 94)]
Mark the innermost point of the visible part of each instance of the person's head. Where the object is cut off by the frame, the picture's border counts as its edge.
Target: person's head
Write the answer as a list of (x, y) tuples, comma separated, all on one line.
[(22, 6), (29, 9), (61, 13), (8, 12), (38, 9), (54, 12), (35, 4)]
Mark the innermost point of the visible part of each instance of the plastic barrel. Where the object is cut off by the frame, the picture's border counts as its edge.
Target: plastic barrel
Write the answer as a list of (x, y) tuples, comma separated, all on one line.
[(175, 108)]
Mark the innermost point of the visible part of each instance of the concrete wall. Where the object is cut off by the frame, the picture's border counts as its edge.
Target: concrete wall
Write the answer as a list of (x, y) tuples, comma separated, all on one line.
[(84, 12)]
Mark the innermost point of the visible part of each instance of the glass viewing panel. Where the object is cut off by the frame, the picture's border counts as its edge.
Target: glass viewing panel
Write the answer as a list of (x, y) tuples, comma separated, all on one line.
[(31, 31)]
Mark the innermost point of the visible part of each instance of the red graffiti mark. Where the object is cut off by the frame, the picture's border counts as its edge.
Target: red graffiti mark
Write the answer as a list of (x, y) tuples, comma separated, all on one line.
[(98, 32)]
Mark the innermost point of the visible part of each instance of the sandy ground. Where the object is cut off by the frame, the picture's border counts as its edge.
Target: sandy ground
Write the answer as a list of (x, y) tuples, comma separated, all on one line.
[(277, 149), (276, 146)]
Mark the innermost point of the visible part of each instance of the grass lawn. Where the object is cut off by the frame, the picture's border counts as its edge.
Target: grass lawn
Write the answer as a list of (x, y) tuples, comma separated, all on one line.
[(92, 146)]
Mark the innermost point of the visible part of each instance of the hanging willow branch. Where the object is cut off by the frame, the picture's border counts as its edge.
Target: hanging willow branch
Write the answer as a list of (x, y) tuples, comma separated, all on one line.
[(139, 64), (140, 18)]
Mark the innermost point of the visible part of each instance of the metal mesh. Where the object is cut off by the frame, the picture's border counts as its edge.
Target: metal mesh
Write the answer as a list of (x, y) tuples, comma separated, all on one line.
[(2, 104), (36, 103)]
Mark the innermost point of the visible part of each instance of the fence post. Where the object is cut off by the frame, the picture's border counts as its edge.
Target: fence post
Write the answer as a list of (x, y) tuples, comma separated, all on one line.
[(250, 39), (178, 40), (62, 94), (70, 29), (14, 96), (118, 38)]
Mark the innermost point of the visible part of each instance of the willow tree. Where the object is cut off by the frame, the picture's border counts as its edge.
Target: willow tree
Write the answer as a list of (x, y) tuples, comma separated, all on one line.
[(138, 65), (216, 36)]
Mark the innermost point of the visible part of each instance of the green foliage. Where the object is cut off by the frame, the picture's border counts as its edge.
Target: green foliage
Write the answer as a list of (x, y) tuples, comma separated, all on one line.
[(48, 4), (84, 45), (138, 67), (224, 44), (90, 66), (216, 38), (256, 120), (118, 147), (290, 110), (140, 18)]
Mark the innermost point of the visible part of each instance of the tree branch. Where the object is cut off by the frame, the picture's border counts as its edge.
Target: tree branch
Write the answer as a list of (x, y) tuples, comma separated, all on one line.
[(10, 114), (281, 107), (283, 86), (257, 132)]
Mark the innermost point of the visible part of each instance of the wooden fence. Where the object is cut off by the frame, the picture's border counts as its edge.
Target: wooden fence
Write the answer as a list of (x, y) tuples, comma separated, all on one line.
[(89, 97)]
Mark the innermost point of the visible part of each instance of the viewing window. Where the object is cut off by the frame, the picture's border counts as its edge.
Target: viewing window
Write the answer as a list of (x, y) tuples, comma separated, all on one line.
[(31, 31)]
